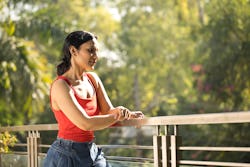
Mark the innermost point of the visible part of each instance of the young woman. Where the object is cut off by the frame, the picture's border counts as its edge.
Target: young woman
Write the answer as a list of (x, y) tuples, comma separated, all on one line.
[(81, 105)]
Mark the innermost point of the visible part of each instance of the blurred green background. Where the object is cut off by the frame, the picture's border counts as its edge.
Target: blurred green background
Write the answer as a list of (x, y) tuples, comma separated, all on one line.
[(163, 57)]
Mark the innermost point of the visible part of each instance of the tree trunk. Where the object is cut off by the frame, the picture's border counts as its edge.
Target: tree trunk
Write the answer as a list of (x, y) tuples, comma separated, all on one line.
[(201, 11), (136, 92)]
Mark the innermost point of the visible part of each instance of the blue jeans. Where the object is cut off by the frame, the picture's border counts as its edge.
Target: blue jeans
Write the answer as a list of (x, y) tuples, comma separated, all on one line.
[(66, 153)]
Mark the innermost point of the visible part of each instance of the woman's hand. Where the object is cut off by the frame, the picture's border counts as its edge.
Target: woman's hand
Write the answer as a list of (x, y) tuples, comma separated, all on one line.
[(125, 114), (137, 114), (121, 113)]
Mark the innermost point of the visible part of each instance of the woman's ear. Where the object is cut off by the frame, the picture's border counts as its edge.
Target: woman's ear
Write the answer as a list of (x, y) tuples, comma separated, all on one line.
[(72, 50)]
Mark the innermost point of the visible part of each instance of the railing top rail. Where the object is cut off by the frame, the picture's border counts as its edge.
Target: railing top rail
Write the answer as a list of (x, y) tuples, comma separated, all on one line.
[(37, 127), (214, 118), (194, 119)]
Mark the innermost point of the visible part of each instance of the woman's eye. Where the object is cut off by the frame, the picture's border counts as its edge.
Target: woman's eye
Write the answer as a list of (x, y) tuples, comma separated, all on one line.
[(91, 50)]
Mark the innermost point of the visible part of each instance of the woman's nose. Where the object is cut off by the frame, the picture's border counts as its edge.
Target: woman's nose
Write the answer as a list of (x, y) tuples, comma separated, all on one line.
[(94, 54)]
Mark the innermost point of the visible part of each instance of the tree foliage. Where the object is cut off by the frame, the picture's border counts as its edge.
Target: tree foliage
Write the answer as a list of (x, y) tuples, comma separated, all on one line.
[(228, 47), (7, 140), (32, 34)]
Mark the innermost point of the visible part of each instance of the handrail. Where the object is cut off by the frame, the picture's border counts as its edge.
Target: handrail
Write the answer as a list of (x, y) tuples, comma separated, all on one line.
[(228, 149), (214, 118), (211, 118), (37, 127)]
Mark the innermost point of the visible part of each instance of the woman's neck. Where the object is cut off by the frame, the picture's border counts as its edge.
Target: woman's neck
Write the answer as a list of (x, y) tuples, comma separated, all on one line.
[(74, 75)]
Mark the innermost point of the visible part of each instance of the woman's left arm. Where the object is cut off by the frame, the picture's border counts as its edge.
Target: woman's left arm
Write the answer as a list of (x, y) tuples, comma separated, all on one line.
[(103, 99)]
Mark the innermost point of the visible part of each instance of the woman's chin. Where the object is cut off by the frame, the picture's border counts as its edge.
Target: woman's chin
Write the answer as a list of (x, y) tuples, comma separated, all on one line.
[(90, 68)]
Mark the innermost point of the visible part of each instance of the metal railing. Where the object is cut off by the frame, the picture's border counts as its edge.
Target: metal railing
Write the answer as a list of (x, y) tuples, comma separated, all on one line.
[(167, 147)]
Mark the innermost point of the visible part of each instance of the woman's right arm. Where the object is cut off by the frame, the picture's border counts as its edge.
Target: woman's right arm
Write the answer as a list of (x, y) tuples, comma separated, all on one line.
[(62, 97)]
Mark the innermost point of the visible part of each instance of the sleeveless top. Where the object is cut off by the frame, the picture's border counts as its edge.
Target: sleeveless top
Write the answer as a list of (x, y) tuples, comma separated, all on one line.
[(69, 131)]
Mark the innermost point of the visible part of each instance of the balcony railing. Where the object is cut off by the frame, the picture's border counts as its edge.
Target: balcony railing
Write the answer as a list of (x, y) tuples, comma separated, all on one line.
[(166, 148)]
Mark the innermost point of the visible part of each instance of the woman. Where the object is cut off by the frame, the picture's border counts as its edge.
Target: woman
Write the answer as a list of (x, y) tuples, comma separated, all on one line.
[(80, 105)]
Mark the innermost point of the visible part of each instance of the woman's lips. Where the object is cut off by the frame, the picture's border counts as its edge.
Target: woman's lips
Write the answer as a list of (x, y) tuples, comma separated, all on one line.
[(92, 62)]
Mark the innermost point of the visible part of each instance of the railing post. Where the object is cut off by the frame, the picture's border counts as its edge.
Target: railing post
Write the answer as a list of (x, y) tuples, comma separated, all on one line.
[(165, 140), (29, 149), (175, 143), (33, 140), (157, 148)]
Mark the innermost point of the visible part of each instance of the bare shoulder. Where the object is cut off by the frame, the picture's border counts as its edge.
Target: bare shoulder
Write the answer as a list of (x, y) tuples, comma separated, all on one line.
[(59, 86), (58, 91)]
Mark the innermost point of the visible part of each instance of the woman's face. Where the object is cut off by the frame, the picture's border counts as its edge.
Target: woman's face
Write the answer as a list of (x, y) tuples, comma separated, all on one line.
[(87, 55)]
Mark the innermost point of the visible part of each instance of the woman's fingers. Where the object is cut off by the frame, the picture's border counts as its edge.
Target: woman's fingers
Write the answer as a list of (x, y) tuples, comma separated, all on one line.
[(138, 114), (123, 113)]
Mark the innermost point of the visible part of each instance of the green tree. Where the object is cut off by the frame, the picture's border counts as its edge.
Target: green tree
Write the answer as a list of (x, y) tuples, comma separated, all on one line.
[(23, 74), (157, 48), (228, 35), (224, 79), (32, 35)]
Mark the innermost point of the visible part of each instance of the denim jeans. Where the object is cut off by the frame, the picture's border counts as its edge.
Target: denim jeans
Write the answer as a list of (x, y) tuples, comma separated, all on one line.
[(66, 153)]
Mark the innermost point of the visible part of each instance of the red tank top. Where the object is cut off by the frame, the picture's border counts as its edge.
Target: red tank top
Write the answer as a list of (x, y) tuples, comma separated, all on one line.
[(69, 131)]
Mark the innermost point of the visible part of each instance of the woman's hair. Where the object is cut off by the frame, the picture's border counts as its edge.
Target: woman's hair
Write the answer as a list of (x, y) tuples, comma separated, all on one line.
[(76, 39)]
